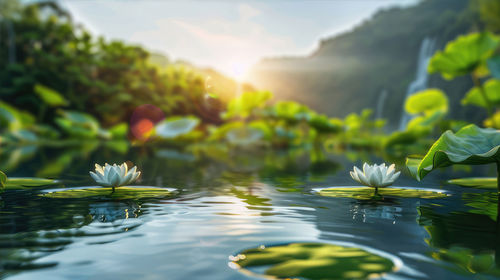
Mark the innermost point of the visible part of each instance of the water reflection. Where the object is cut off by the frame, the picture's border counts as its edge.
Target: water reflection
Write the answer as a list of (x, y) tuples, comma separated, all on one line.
[(228, 200), (466, 235)]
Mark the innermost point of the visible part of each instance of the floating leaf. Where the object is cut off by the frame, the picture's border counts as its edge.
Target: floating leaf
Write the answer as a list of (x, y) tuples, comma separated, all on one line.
[(314, 261), (479, 183), (26, 182), (135, 192), (470, 145), (492, 91), (464, 55), (174, 127), (50, 96), (365, 193)]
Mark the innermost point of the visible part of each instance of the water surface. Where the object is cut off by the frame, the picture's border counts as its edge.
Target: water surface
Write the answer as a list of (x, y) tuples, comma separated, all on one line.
[(229, 200)]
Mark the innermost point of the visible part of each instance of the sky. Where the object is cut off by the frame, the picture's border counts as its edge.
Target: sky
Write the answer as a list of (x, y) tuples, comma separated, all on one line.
[(227, 35)]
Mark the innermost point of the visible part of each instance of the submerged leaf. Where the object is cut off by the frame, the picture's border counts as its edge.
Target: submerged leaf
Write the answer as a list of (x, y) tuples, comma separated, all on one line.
[(315, 261), (464, 55), (470, 145), (365, 193)]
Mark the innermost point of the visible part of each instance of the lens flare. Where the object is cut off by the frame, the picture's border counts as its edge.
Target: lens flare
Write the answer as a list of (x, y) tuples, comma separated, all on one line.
[(144, 119)]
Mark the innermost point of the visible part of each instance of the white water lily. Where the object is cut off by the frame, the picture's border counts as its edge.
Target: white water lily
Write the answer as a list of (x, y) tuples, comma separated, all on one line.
[(376, 176), (114, 175)]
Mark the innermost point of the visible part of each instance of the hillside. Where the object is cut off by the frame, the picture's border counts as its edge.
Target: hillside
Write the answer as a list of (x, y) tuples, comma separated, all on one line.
[(348, 72)]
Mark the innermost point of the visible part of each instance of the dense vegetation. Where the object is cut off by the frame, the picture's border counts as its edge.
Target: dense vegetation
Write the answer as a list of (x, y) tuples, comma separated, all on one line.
[(60, 82)]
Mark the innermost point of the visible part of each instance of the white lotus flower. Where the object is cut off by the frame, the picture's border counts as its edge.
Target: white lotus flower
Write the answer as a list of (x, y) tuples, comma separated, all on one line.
[(114, 175), (376, 176)]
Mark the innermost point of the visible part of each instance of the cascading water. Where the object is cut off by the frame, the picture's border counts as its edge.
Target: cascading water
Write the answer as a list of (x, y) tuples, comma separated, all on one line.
[(380, 104), (427, 49)]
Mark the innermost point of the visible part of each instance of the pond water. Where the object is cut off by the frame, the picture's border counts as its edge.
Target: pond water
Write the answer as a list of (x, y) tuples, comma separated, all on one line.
[(228, 201)]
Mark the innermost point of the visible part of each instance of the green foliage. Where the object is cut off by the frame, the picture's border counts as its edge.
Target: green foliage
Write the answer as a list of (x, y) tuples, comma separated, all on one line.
[(491, 89), (367, 193), (3, 179), (464, 55), (50, 96), (427, 102), (315, 261), (470, 145), (14, 119), (77, 124), (245, 104)]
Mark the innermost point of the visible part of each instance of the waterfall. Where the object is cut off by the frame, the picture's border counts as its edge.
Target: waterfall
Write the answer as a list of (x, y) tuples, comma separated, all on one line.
[(380, 104), (420, 83)]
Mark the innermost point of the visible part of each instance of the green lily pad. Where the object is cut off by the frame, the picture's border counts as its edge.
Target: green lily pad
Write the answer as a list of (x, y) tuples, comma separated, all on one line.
[(480, 183), (464, 55), (135, 192), (27, 182), (175, 126), (314, 261), (365, 193), (470, 145)]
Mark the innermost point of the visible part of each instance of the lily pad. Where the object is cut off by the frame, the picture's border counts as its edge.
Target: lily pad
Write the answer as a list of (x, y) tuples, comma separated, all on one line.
[(13, 183), (136, 192), (174, 127), (366, 193), (470, 145), (464, 55), (315, 261), (480, 183)]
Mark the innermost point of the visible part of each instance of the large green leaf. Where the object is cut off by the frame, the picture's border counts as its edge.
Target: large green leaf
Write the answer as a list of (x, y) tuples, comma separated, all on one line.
[(50, 96), (174, 127), (464, 55), (492, 91), (427, 102), (470, 145), (314, 261)]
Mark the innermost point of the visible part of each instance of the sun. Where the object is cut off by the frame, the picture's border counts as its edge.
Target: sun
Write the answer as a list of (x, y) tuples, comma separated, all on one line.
[(239, 70)]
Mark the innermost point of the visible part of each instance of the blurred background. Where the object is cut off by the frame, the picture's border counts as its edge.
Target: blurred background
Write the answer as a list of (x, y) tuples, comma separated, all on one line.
[(278, 73)]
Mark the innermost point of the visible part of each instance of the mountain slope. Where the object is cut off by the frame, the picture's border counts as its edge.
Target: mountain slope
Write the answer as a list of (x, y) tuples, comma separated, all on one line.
[(348, 72)]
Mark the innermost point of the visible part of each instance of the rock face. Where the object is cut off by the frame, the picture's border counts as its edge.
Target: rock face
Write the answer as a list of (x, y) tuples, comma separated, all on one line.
[(348, 72)]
